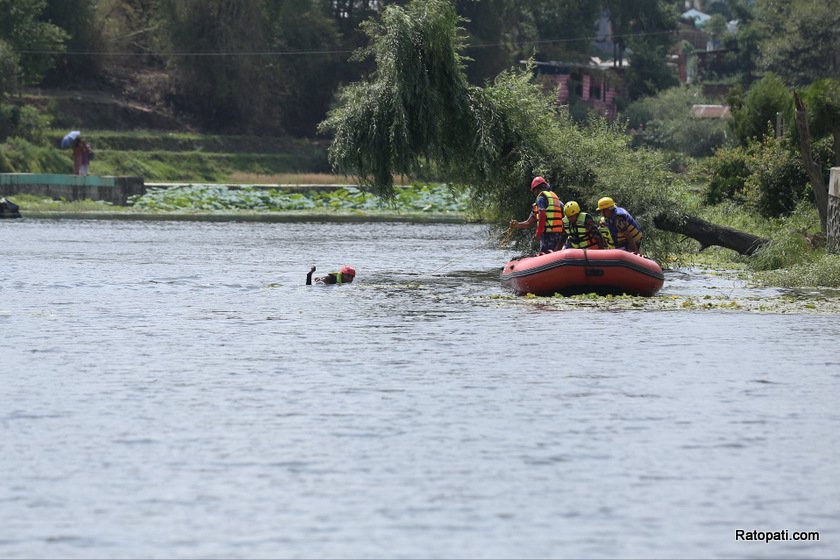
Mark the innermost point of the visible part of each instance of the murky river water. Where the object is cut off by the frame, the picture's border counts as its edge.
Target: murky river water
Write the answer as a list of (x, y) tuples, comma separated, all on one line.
[(174, 390)]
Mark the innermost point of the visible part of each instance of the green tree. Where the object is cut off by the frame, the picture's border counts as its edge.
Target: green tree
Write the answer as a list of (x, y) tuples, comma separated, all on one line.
[(78, 19), (746, 49), (800, 39), (716, 26), (36, 41), (823, 101), (9, 69), (416, 104), (648, 73), (306, 82), (755, 113), (500, 33), (216, 61), (131, 26), (348, 14), (652, 20), (644, 27)]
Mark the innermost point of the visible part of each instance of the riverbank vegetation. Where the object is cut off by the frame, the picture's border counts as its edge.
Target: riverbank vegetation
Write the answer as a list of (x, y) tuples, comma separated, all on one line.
[(421, 200), (422, 107), (493, 139)]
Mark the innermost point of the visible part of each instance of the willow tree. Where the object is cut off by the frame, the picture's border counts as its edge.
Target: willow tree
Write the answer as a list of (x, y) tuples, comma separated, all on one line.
[(417, 110)]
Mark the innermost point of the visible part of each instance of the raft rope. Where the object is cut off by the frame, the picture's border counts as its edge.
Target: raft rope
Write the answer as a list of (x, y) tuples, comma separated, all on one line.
[(505, 241), (447, 263)]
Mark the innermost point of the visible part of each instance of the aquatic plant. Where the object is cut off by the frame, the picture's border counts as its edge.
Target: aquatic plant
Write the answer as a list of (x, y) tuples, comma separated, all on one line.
[(415, 198)]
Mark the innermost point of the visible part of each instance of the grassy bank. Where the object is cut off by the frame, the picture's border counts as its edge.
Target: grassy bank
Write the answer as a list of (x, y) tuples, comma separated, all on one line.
[(164, 156), (795, 256)]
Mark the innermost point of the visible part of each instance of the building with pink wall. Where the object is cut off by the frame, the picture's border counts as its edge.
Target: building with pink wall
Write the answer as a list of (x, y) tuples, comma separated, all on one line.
[(596, 84)]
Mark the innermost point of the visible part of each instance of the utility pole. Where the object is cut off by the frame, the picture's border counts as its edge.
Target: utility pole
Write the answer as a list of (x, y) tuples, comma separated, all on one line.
[(832, 233)]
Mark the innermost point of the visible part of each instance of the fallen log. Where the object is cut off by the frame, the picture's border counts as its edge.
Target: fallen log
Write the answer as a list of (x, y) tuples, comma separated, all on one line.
[(708, 234)]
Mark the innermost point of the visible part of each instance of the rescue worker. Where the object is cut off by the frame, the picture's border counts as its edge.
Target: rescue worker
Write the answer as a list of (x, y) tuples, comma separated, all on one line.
[(344, 276), (580, 228), (626, 233), (547, 213), (606, 234)]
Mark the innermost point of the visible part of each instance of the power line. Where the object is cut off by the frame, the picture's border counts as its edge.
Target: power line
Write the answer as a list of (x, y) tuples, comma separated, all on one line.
[(324, 52), (186, 53), (588, 38)]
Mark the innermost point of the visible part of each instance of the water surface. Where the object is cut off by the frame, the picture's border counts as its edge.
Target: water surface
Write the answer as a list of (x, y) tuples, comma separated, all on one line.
[(172, 389)]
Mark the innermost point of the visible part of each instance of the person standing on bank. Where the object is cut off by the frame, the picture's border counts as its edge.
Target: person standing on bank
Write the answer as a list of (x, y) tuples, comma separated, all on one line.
[(547, 213), (82, 154), (344, 276), (625, 231), (580, 228)]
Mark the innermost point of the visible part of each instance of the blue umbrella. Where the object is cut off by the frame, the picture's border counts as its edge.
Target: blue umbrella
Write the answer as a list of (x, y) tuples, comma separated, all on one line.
[(69, 139)]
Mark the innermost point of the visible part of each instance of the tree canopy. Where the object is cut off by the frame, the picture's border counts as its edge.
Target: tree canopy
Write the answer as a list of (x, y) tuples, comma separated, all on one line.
[(801, 42), (273, 66), (416, 111), (30, 38)]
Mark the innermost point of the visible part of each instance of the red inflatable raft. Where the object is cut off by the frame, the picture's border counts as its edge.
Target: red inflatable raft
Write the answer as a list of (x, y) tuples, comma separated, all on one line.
[(580, 271)]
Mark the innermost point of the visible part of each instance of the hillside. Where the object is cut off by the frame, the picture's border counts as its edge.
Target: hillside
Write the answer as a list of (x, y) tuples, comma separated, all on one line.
[(132, 137), (102, 109)]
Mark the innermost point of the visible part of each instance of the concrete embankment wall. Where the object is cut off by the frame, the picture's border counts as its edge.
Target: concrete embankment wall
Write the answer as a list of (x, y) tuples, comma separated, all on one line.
[(115, 190)]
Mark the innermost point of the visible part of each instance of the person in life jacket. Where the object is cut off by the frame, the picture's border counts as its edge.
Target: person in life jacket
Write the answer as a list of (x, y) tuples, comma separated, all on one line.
[(343, 276), (580, 228), (625, 231), (547, 213), (606, 234)]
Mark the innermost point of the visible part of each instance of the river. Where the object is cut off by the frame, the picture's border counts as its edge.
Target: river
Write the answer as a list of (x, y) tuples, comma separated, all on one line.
[(173, 390)]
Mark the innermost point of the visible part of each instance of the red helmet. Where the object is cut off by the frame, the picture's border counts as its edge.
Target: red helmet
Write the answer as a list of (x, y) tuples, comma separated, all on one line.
[(537, 182), (348, 270)]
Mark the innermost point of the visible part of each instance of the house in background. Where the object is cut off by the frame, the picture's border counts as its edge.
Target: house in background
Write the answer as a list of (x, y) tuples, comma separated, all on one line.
[(710, 111), (697, 16), (595, 84)]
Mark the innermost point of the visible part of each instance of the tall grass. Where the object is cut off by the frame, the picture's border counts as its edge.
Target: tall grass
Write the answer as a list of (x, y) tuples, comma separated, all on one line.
[(823, 271), (794, 257)]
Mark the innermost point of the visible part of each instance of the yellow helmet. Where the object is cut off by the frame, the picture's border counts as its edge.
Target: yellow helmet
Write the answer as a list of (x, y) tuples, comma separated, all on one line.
[(605, 203), (571, 208)]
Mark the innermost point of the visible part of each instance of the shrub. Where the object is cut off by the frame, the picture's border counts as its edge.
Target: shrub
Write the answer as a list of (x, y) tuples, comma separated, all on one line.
[(24, 121), (768, 177), (728, 172), (788, 246), (777, 182)]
